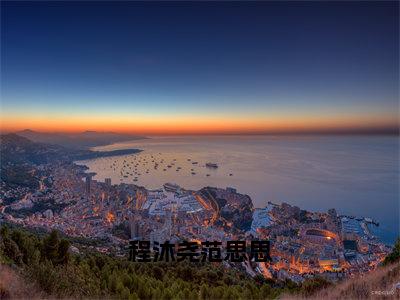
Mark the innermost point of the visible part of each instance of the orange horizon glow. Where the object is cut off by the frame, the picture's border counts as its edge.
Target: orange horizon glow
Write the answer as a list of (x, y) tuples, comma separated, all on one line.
[(197, 125)]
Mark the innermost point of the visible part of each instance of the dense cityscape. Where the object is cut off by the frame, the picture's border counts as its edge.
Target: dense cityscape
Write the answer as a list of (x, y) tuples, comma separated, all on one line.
[(205, 150), (62, 195)]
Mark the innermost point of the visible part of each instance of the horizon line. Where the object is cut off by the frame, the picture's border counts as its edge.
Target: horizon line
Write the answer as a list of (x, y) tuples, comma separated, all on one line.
[(326, 131)]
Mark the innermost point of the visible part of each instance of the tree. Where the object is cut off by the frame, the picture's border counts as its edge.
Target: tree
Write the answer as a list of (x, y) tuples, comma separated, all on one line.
[(50, 247), (157, 294), (63, 255), (11, 250), (133, 296), (26, 245), (125, 294), (265, 291), (204, 292), (394, 255)]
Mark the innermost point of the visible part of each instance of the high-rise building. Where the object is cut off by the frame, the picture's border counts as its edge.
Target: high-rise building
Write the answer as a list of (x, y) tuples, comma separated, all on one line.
[(88, 184), (168, 223), (141, 198), (134, 225)]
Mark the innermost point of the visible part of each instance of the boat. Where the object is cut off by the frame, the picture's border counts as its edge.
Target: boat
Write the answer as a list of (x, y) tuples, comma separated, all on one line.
[(171, 187), (211, 165)]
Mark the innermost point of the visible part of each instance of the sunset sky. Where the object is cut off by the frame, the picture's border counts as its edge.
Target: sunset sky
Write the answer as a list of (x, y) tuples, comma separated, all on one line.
[(196, 67)]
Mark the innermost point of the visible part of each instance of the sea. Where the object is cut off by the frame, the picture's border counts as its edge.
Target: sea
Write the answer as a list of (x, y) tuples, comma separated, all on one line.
[(356, 175)]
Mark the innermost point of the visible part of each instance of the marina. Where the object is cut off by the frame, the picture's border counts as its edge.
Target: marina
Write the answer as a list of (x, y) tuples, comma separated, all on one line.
[(270, 169)]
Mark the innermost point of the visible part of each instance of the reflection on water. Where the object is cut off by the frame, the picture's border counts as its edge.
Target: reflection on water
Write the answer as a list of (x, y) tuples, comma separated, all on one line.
[(355, 174)]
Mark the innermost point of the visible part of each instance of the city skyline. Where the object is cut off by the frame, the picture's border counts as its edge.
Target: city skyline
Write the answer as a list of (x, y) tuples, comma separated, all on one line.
[(199, 149), (200, 68)]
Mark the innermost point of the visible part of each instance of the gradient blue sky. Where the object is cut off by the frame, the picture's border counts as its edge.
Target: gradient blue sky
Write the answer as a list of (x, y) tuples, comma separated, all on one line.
[(228, 60)]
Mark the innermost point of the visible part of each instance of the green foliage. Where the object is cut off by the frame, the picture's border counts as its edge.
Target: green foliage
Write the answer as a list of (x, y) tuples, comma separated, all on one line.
[(9, 247), (46, 261), (54, 249), (122, 230), (394, 256)]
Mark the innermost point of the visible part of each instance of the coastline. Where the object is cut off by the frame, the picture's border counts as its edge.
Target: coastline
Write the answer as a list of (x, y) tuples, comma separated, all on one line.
[(100, 154), (369, 226), (384, 231)]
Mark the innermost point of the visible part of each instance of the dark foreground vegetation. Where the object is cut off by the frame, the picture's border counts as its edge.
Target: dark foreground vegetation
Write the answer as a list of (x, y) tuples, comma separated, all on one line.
[(46, 262)]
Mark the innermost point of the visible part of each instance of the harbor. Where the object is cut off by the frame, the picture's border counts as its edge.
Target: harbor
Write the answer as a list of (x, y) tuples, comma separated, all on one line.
[(268, 169)]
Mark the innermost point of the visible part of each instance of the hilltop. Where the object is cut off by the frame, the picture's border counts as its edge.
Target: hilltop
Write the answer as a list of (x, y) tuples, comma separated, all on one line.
[(20, 158), (82, 140), (16, 149), (20, 150)]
